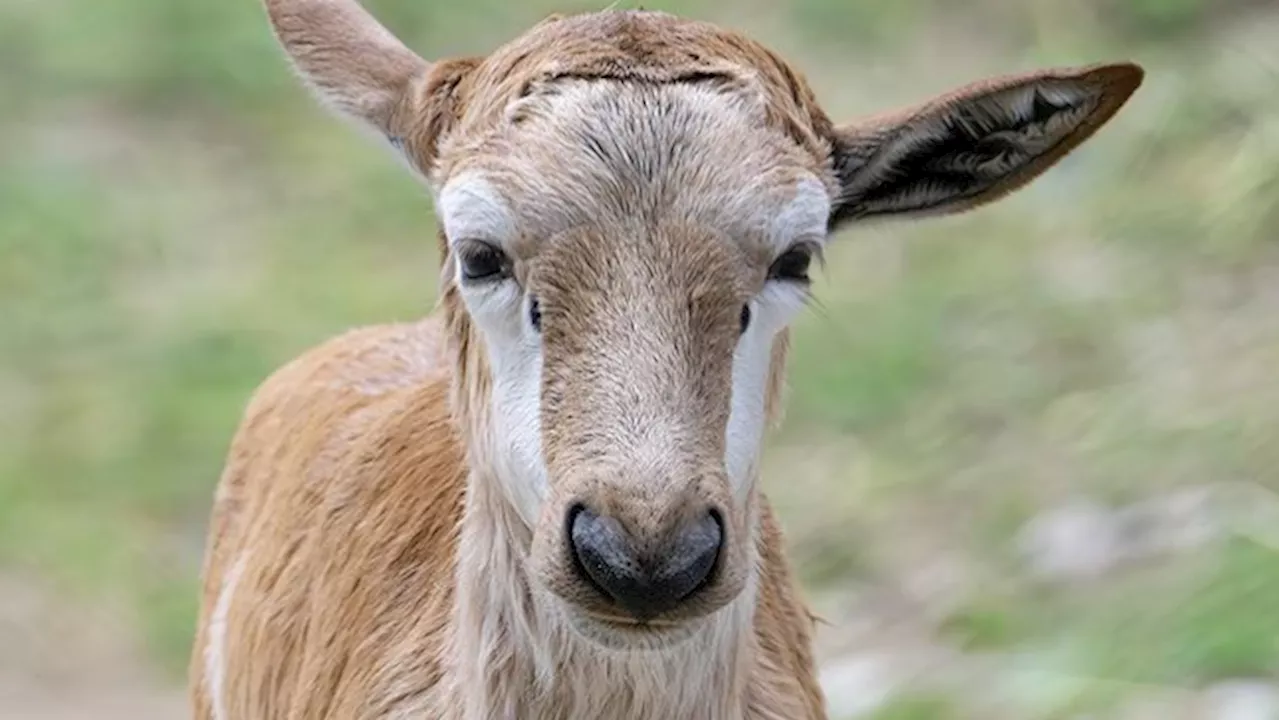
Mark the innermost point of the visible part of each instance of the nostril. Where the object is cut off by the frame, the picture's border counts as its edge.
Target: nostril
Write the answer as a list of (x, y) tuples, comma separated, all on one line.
[(600, 552), (717, 521), (571, 535), (693, 557), (569, 517)]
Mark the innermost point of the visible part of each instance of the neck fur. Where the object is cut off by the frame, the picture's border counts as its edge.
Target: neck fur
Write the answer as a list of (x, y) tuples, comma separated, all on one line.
[(514, 655)]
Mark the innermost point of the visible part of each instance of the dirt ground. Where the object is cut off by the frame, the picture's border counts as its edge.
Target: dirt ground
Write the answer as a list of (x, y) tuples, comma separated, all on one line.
[(62, 662)]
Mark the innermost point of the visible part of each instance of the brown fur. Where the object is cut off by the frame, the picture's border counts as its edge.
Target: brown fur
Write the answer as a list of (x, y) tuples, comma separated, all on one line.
[(354, 502), (365, 561)]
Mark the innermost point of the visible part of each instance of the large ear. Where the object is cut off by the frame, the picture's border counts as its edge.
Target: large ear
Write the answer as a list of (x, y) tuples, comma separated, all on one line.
[(973, 145), (353, 63)]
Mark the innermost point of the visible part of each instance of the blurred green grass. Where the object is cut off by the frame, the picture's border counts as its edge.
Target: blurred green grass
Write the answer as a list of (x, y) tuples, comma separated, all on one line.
[(177, 218)]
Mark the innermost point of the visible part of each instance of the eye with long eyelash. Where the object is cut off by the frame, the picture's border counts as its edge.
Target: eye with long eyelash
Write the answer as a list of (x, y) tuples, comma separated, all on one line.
[(481, 262), (792, 265)]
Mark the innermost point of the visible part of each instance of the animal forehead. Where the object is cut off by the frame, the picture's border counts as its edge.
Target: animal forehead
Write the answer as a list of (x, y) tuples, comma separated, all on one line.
[(609, 154), (638, 45)]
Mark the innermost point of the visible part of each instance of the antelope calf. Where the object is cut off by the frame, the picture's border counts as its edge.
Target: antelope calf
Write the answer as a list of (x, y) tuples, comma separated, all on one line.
[(544, 502)]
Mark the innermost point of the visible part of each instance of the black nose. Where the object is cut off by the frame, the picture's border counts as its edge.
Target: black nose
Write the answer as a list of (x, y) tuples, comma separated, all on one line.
[(644, 586)]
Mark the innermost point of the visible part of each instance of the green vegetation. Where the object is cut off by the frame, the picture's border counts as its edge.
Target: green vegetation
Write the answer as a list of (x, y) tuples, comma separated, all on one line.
[(917, 707), (1214, 623), (177, 218)]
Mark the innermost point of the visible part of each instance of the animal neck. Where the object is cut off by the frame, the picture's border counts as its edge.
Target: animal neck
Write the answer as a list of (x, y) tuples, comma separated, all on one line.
[(514, 654)]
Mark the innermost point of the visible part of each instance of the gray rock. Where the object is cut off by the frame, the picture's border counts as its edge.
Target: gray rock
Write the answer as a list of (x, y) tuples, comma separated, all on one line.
[(1078, 541), (857, 684), (1239, 700), (1176, 521)]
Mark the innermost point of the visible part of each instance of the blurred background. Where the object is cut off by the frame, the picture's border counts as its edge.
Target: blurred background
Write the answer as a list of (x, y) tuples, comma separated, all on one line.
[(1029, 469)]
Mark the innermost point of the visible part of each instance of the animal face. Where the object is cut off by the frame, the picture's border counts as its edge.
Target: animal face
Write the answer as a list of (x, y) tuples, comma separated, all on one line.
[(630, 277), (630, 207)]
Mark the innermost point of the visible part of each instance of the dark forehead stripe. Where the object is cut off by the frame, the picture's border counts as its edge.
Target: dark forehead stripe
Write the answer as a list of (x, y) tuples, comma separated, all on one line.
[(649, 47)]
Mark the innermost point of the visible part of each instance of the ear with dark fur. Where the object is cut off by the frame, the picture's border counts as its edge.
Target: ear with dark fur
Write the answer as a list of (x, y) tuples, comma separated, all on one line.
[(974, 145)]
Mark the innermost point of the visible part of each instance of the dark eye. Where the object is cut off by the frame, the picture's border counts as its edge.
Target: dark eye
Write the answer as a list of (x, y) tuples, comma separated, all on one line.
[(792, 265), (745, 318), (535, 314), (482, 261)]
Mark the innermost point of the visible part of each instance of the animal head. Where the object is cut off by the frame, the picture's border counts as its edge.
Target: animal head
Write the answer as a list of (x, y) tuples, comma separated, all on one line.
[(630, 206)]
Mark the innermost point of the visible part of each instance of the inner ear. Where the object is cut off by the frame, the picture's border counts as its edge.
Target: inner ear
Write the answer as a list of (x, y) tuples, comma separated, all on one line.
[(954, 155), (974, 145)]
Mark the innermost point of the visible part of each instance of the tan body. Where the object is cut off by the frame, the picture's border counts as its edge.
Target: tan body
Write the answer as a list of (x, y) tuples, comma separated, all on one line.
[(543, 502), (343, 494)]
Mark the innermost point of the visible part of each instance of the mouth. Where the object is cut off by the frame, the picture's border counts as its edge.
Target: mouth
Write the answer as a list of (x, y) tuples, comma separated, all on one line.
[(624, 633), (627, 623)]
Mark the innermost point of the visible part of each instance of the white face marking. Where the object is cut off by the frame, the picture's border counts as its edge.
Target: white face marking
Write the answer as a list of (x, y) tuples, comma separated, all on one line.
[(804, 218), (472, 209), (215, 652), (515, 359)]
